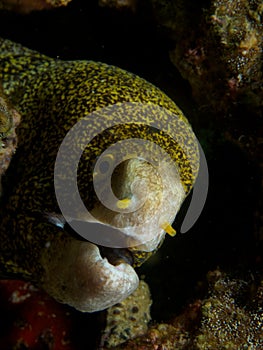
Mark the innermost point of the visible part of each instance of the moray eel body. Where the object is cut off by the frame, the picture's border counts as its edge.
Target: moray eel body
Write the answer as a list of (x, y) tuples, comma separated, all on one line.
[(37, 244)]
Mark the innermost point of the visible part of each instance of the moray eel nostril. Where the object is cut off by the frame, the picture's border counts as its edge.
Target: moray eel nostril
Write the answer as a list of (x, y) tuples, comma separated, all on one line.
[(117, 108)]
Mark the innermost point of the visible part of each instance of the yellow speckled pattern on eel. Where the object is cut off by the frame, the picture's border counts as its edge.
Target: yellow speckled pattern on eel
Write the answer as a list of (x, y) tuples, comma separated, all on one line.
[(51, 96)]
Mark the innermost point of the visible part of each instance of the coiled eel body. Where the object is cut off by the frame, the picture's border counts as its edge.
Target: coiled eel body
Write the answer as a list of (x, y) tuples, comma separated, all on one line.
[(37, 244)]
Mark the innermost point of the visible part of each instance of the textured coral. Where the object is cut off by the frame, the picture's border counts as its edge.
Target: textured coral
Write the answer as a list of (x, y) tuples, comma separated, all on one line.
[(161, 336), (218, 49), (230, 317), (26, 6), (9, 120), (176, 335), (128, 319)]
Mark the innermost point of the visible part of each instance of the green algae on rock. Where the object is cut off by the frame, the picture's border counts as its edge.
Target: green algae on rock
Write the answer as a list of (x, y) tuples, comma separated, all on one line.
[(52, 96)]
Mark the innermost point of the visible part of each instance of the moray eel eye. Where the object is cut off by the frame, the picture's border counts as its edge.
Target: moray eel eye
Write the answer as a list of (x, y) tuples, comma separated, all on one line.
[(105, 164)]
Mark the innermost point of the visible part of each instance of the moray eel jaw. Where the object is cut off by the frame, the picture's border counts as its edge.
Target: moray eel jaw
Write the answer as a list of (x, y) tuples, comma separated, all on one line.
[(75, 272), (77, 275)]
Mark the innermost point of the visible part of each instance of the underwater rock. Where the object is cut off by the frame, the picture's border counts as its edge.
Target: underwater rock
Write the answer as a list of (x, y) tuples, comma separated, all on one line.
[(9, 120), (176, 335), (218, 49), (26, 6), (161, 336), (232, 316), (128, 319)]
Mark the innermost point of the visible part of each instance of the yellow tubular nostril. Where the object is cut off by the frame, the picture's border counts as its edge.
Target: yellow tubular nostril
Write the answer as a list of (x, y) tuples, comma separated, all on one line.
[(168, 229), (123, 203)]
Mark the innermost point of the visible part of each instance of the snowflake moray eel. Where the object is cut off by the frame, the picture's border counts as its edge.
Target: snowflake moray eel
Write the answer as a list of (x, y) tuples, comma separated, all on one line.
[(36, 242)]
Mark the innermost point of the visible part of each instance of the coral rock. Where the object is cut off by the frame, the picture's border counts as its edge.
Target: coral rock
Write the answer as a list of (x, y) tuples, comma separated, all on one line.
[(128, 319), (9, 120), (26, 6)]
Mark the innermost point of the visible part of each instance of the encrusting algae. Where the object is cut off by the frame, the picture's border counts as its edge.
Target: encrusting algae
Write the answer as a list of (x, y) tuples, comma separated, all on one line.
[(52, 96)]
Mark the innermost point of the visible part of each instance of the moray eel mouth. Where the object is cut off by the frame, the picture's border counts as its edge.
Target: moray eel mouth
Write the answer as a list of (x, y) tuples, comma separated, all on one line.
[(116, 256), (129, 234)]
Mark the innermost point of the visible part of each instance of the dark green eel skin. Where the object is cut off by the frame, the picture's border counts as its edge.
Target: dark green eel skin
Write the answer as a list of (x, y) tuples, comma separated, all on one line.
[(36, 243)]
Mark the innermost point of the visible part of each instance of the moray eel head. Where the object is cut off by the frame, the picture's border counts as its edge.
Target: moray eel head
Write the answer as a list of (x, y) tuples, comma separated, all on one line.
[(109, 160), (147, 198), (139, 199)]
